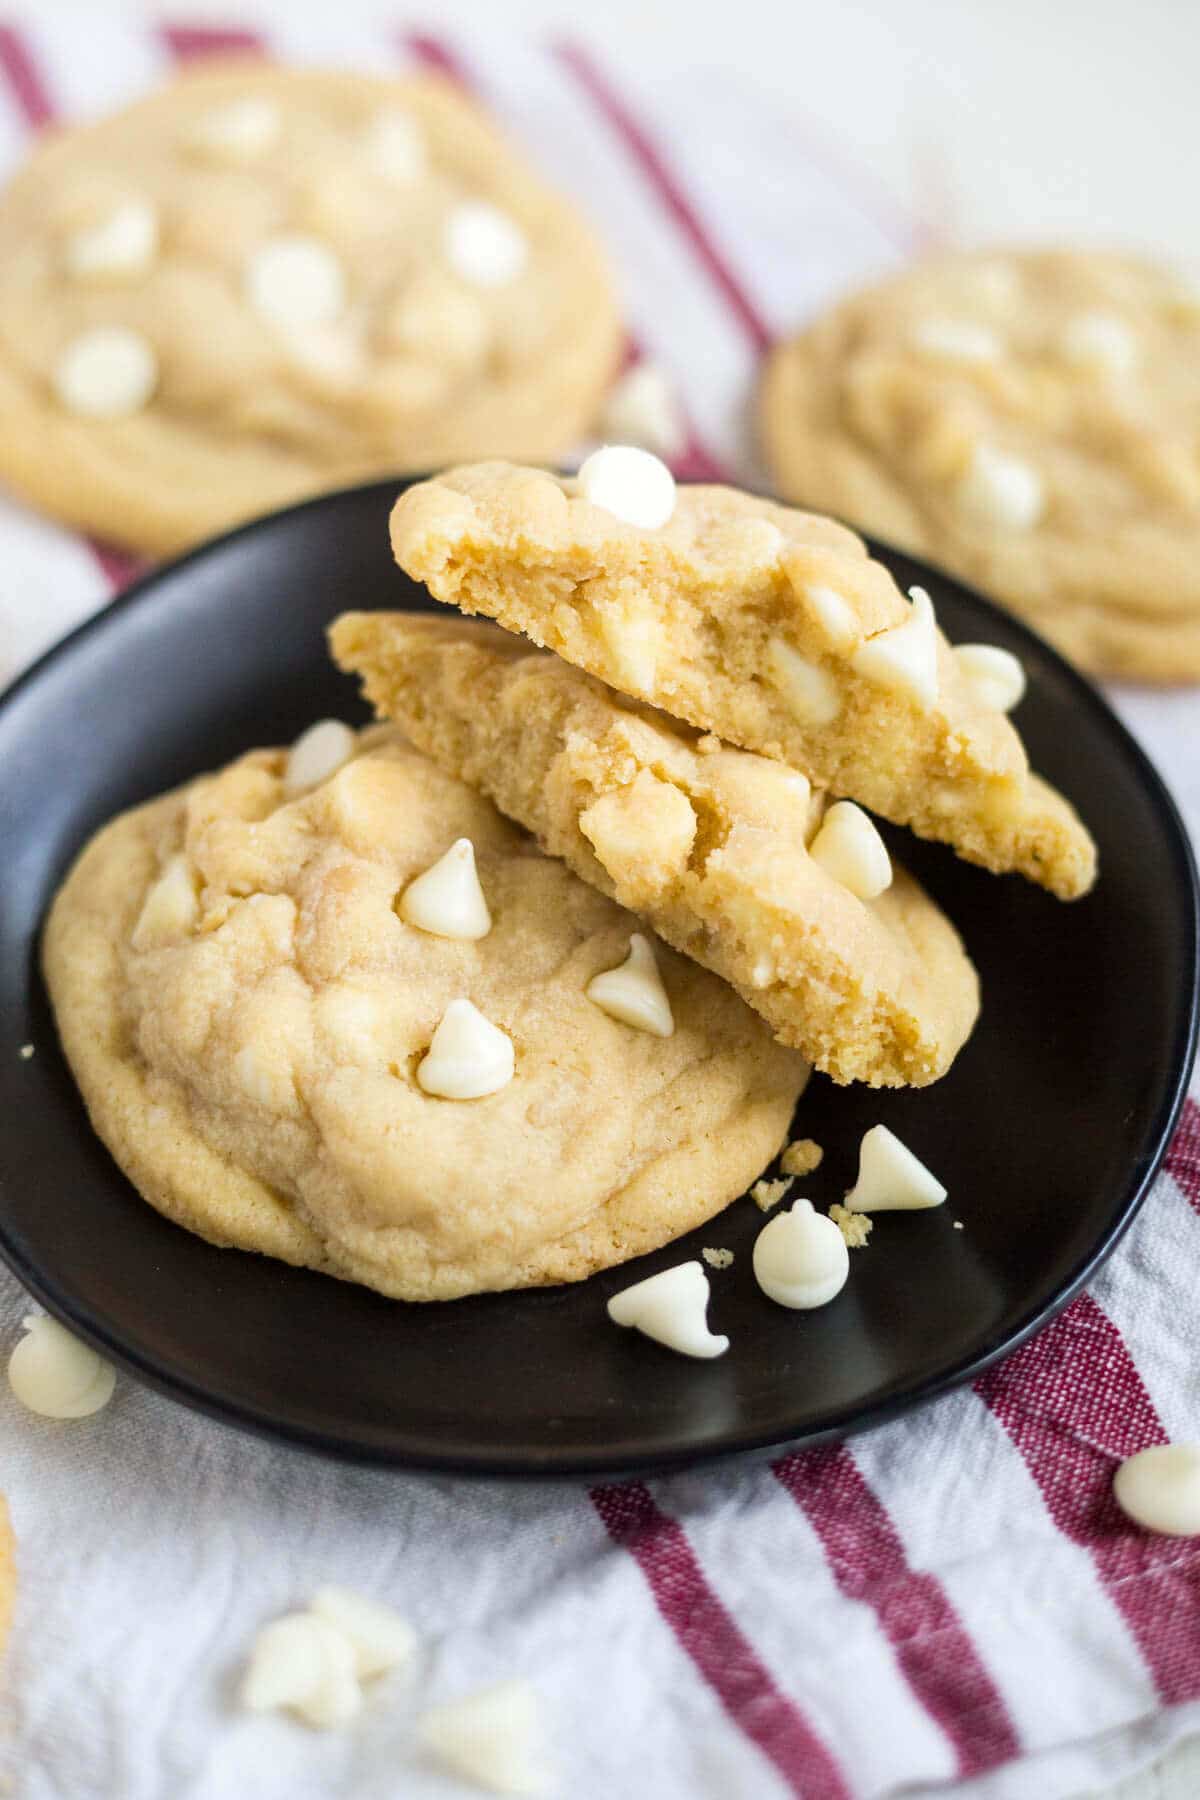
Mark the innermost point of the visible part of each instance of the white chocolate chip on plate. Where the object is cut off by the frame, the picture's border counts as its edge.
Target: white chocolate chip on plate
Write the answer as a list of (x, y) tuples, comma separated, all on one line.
[(958, 340), (295, 281), (483, 245), (447, 900), (306, 1665), (1000, 492), (55, 1375), (630, 483), (241, 130), (642, 409), (800, 1258), (1100, 340), (1159, 1489), (671, 1308), (122, 244), (891, 1178), (994, 676), (809, 691), (849, 848), (317, 754), (380, 1639), (468, 1056), (904, 658), (633, 993), (491, 1738), (396, 147), (108, 372)]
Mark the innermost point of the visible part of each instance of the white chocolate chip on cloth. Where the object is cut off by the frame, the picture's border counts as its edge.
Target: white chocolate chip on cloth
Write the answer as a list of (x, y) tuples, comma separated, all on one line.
[(769, 627), (1026, 420), (260, 283), (711, 848), (252, 1023)]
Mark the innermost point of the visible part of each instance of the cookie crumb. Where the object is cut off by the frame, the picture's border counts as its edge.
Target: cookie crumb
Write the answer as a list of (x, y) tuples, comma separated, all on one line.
[(802, 1157), (958, 1225), (25, 1052), (856, 1228), (766, 1194), (709, 744), (717, 1259)]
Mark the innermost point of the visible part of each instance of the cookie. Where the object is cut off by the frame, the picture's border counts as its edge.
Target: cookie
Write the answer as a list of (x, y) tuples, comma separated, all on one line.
[(770, 627), (711, 846), (261, 283), (263, 1039), (1028, 421), (8, 1572)]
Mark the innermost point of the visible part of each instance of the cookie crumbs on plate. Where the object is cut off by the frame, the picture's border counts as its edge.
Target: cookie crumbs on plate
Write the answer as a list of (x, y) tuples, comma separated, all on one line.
[(856, 1228), (958, 1225), (25, 1052), (717, 1259), (802, 1157), (766, 1194)]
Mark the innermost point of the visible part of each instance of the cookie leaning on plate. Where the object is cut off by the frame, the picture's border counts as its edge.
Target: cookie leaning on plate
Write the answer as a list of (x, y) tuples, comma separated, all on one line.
[(1028, 421), (770, 627), (260, 283), (710, 845), (252, 1023)]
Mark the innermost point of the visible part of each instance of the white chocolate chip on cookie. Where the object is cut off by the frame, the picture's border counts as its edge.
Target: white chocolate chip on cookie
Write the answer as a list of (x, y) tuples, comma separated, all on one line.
[(671, 1308), (994, 676), (447, 899), (240, 131), (1000, 492), (170, 909), (295, 281), (849, 848), (810, 692), (891, 1178), (396, 148), (119, 246), (634, 993), (800, 1258), (958, 340), (630, 483), (55, 1375), (468, 1056), (306, 1665), (1159, 1489), (491, 1739), (833, 613), (642, 409), (634, 643), (109, 372), (317, 754), (1100, 341), (904, 658), (484, 245)]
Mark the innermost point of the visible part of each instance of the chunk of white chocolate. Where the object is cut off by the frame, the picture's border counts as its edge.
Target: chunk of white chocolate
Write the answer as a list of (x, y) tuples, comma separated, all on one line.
[(833, 613), (809, 691), (238, 131), (492, 1738), (108, 372), (447, 899), (958, 340), (295, 282), (994, 676), (1100, 341), (306, 1665), (634, 991), (380, 1639), (468, 1056), (55, 1375), (483, 245), (1159, 1489), (634, 643), (642, 409), (317, 754), (119, 246), (891, 1178), (629, 483), (396, 148), (849, 848), (170, 909), (904, 657), (800, 1258), (1000, 492), (671, 1308)]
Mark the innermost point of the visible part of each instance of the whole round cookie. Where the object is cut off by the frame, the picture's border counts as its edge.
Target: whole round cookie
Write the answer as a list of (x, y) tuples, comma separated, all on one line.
[(260, 283), (1028, 420), (265, 1041)]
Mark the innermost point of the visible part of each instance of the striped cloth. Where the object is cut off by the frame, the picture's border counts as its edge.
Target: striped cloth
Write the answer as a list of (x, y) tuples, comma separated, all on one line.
[(949, 1604)]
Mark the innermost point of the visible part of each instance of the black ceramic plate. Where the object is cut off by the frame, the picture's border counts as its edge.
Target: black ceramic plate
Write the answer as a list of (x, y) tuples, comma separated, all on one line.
[(1047, 1130)]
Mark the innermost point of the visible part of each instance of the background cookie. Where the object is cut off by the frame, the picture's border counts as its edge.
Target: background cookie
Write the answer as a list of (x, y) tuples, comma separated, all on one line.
[(1028, 421), (246, 1013), (259, 283)]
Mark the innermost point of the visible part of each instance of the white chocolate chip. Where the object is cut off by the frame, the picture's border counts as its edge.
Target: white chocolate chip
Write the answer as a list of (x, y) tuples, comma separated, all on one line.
[(642, 409), (170, 909), (123, 244), (1000, 492), (1100, 340), (1159, 1489), (380, 1639), (671, 1308), (55, 1375), (240, 131), (994, 677), (317, 754), (849, 848), (483, 245), (634, 642), (295, 281), (833, 613), (491, 1738), (763, 972), (266, 1077), (810, 693), (629, 483), (891, 1178), (106, 373), (634, 993), (800, 1258), (447, 899), (958, 340), (304, 1664), (396, 147), (904, 658), (468, 1056)]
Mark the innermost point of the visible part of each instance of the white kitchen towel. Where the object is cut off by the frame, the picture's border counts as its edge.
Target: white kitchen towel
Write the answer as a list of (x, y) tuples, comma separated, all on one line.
[(951, 1603)]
